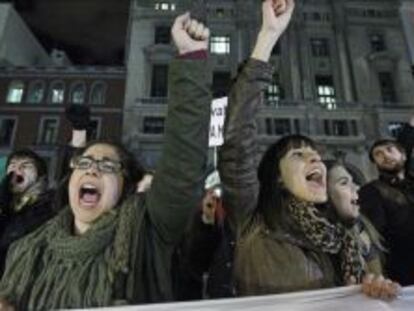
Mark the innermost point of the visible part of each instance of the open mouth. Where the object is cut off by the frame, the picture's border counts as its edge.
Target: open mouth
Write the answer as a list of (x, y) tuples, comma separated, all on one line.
[(355, 202), (89, 195), (316, 177), (18, 179)]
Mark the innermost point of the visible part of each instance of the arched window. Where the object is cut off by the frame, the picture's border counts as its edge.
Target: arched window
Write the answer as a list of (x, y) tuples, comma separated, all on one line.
[(57, 92), (15, 93), (36, 92), (77, 93), (98, 93)]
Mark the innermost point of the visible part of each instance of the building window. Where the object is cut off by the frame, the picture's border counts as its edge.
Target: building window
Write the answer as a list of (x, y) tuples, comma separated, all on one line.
[(354, 128), (394, 128), (77, 94), (154, 125), (281, 127), (48, 131), (165, 6), (340, 128), (320, 47), (221, 83), (15, 93), (162, 35), (274, 92), (94, 129), (159, 81), (377, 43), (326, 91), (98, 93), (7, 129), (57, 93), (36, 92), (387, 87), (220, 45)]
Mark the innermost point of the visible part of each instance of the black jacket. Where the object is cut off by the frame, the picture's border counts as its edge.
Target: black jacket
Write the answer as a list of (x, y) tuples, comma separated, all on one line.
[(15, 225), (204, 262), (388, 203)]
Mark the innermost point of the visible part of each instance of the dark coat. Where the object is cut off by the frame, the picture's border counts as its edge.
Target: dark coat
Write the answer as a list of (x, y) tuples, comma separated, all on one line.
[(204, 262), (388, 203), (15, 225), (266, 261)]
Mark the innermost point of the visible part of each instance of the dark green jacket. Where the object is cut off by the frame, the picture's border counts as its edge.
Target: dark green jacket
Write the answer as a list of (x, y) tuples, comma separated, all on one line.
[(159, 222), (266, 261)]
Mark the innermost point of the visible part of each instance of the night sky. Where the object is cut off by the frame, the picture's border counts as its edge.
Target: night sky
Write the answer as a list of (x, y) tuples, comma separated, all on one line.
[(92, 32)]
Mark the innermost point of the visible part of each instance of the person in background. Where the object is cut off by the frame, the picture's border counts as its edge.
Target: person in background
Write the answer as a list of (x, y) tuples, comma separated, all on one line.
[(343, 206), (111, 246), (388, 202), (25, 199), (205, 257)]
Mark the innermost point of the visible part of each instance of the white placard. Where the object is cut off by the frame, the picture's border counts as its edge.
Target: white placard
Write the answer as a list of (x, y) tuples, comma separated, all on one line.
[(338, 299), (218, 113)]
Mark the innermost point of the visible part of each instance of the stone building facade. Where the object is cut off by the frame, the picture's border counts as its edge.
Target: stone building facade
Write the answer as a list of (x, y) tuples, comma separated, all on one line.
[(342, 74)]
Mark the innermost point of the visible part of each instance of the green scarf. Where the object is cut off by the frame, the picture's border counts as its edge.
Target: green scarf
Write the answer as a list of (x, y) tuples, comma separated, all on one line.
[(331, 238), (51, 268)]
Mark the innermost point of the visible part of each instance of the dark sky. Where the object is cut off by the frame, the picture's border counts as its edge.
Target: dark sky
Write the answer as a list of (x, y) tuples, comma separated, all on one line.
[(90, 31)]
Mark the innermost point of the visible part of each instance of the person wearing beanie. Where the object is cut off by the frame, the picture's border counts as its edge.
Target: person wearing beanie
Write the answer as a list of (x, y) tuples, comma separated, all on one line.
[(25, 200), (388, 202)]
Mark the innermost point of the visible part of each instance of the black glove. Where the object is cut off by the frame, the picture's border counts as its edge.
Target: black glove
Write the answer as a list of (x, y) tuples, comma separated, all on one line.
[(78, 116), (5, 192)]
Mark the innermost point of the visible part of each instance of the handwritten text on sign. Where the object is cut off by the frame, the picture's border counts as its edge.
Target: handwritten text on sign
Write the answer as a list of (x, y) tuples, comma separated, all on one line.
[(218, 113)]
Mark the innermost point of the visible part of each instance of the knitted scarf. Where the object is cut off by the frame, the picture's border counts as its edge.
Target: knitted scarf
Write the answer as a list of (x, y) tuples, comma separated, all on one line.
[(331, 238), (52, 269), (30, 195)]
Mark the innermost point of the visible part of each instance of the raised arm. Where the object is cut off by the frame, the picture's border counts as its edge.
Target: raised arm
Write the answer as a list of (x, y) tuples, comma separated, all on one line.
[(238, 155), (177, 184)]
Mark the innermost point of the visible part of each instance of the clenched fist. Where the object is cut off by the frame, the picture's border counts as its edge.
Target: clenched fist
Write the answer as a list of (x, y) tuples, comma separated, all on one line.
[(189, 35)]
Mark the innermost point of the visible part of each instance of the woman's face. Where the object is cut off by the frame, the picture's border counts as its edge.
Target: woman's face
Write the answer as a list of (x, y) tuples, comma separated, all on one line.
[(304, 175), (343, 193), (96, 184)]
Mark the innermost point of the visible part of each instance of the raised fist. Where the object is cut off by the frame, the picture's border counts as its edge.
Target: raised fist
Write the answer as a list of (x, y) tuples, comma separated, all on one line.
[(189, 35), (78, 116)]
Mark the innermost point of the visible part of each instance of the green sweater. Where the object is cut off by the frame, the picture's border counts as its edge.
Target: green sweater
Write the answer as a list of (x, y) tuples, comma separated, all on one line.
[(125, 258)]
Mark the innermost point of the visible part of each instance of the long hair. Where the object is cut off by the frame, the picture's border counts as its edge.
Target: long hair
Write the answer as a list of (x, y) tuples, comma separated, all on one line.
[(132, 171), (272, 193), (334, 216)]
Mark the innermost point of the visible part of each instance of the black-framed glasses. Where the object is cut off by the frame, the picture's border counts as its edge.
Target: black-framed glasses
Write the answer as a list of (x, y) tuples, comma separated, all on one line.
[(107, 166)]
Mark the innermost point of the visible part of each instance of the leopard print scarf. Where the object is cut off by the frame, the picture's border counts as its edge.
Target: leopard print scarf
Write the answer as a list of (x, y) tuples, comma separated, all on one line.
[(331, 238)]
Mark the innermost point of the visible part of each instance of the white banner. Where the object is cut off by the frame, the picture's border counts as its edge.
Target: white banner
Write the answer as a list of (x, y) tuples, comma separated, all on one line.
[(218, 113), (337, 299), (407, 16)]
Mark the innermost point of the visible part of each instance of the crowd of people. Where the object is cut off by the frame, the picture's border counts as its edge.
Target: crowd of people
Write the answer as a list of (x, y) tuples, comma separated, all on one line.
[(111, 233)]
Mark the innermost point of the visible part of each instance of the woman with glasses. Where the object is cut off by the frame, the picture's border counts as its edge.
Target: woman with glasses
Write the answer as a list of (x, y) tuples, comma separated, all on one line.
[(111, 246)]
